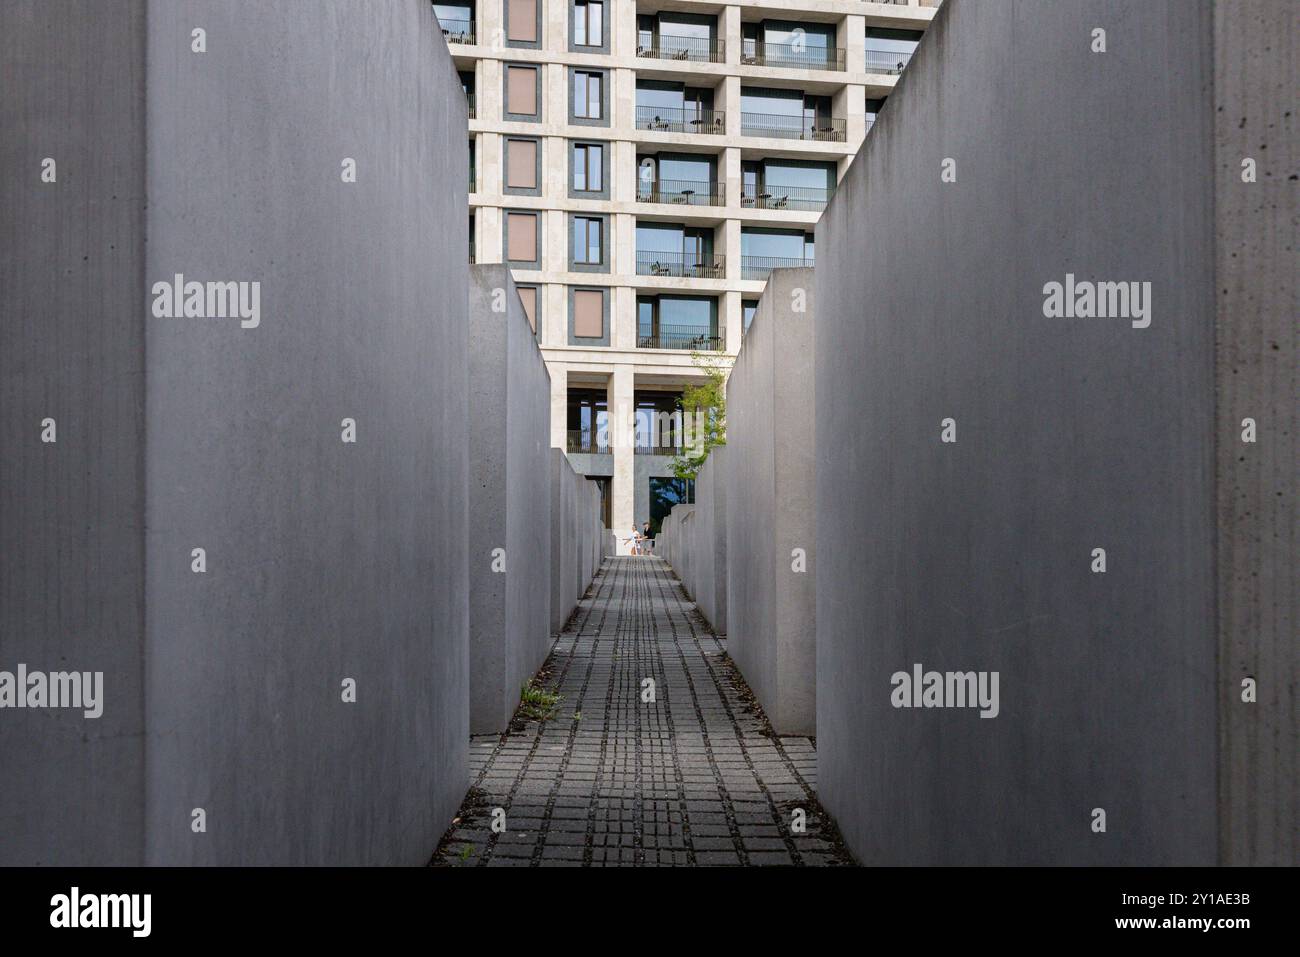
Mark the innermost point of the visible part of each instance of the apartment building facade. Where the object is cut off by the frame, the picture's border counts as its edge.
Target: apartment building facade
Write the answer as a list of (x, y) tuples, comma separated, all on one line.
[(642, 165)]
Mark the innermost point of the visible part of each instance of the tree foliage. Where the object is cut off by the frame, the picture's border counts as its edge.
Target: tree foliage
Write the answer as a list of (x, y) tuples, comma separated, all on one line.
[(704, 407)]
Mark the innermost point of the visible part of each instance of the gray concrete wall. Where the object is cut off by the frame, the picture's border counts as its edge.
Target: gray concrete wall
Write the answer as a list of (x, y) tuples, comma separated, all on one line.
[(770, 481), (577, 537), (510, 500), (1071, 435), (672, 544), (1257, 50), (326, 560), (71, 349), (716, 466), (693, 541), (703, 519)]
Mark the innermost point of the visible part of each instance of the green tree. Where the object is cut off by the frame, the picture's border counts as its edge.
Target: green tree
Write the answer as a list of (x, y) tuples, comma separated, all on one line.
[(704, 407)]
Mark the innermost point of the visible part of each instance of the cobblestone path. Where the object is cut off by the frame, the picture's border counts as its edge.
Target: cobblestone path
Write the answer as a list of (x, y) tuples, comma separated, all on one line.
[(693, 777)]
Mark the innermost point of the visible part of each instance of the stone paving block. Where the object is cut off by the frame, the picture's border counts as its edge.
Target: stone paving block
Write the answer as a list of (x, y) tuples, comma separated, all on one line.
[(692, 779)]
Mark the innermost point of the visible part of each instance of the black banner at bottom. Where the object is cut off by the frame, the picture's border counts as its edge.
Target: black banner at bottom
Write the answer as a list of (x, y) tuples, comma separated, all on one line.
[(337, 905)]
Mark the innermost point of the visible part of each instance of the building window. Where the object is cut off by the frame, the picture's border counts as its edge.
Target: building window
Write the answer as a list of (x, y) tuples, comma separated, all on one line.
[(521, 90), (587, 95), (589, 23), (521, 21), (521, 164), (589, 314), (521, 237), (748, 307), (528, 296), (588, 245), (456, 21), (677, 322), (588, 162), (888, 51), (588, 421)]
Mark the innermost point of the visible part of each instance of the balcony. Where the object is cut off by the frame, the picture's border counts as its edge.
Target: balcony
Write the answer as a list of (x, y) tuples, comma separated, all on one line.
[(682, 192), (789, 197), (887, 61), (693, 338), (473, 180), (588, 443), (470, 101), (759, 267), (458, 31), (472, 260), (666, 119), (678, 265), (791, 55), (696, 49), (825, 130)]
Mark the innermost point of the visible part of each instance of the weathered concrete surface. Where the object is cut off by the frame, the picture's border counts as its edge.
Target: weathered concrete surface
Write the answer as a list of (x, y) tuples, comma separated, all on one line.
[(709, 529), (72, 313), (1257, 59), (693, 540), (744, 550), (510, 517), (325, 561), (1071, 435), (769, 481), (674, 545), (577, 537)]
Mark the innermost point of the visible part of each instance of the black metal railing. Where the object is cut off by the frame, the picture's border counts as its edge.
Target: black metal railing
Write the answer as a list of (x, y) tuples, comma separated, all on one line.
[(458, 31), (695, 338), (471, 101), (871, 121), (681, 192), (471, 252), (827, 129), (592, 443), (652, 262), (659, 449), (788, 197), (667, 47), (799, 56), (758, 267), (887, 61), (473, 180), (673, 120)]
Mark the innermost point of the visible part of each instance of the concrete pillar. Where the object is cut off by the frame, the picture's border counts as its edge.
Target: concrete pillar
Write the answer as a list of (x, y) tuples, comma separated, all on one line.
[(509, 508), (559, 404), (731, 100), (770, 482), (623, 437), (729, 26), (1064, 504), (555, 25), (490, 95), (317, 659), (488, 159), (490, 23)]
